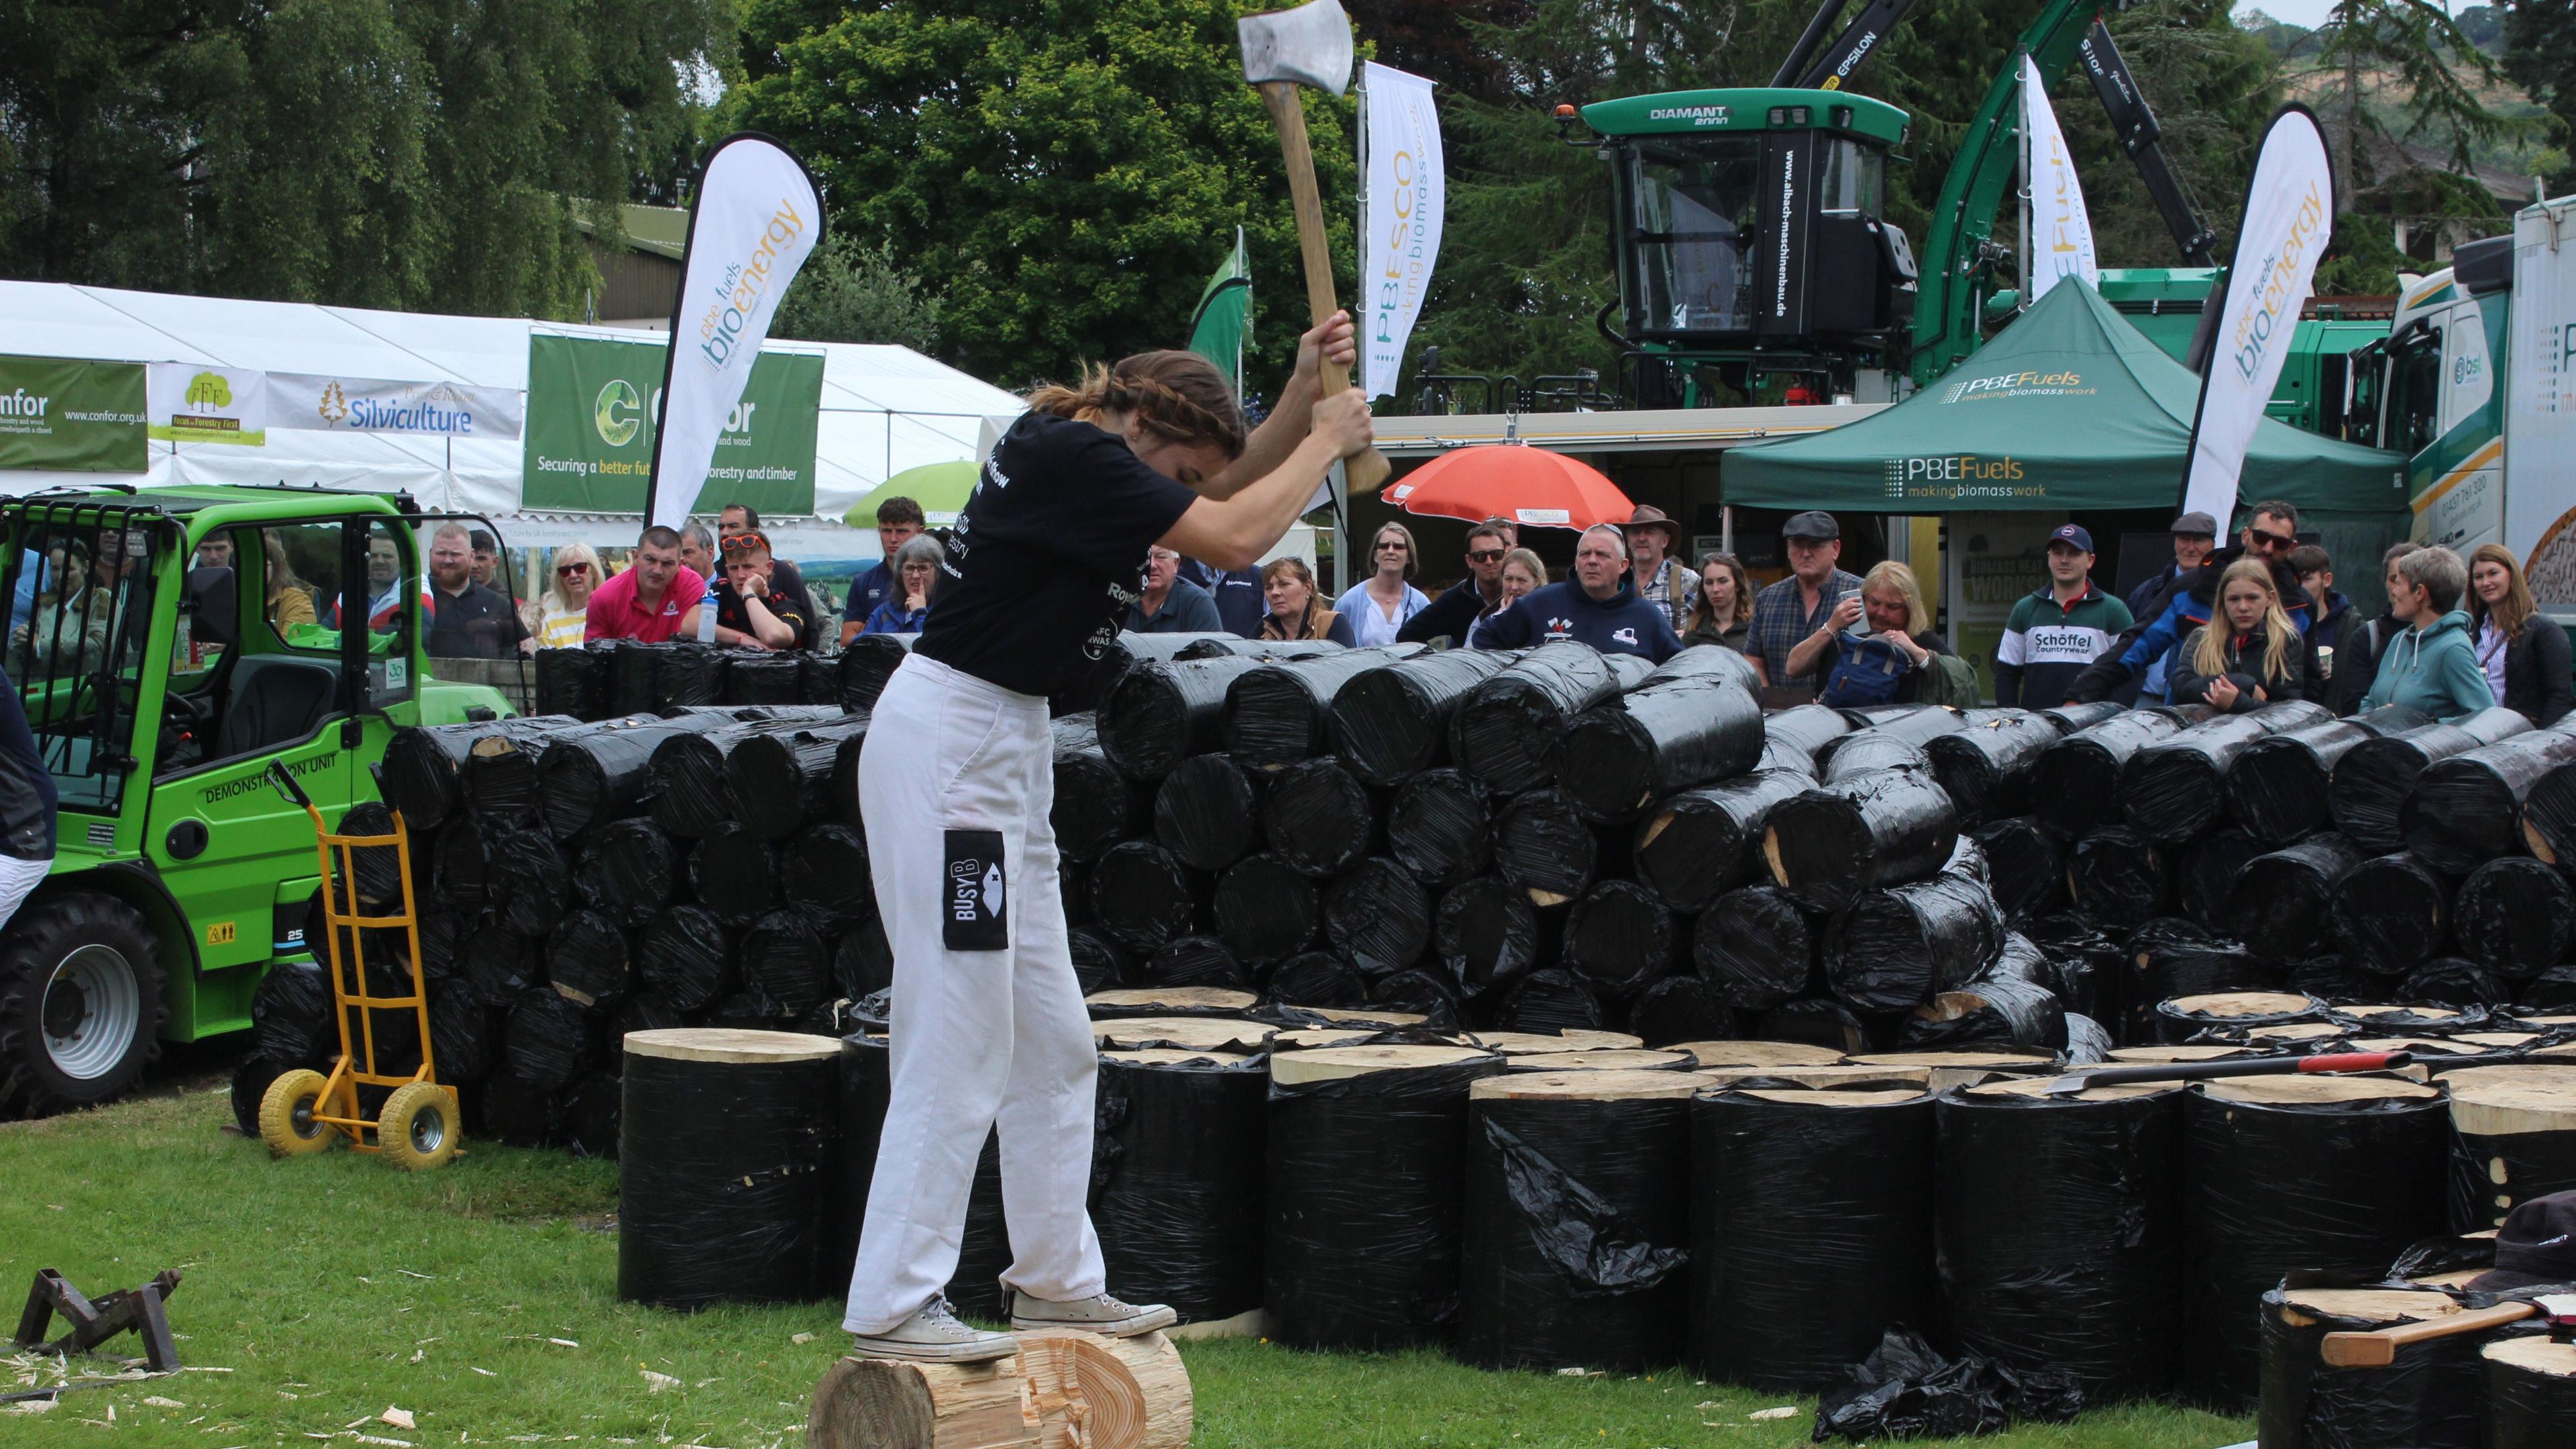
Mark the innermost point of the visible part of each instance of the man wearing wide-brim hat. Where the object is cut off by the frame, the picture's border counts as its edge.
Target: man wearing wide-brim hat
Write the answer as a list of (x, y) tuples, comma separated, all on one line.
[(1661, 579)]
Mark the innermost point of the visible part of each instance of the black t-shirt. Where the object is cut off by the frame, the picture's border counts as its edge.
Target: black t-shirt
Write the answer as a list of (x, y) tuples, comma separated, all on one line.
[(788, 608), (1049, 554), (476, 624)]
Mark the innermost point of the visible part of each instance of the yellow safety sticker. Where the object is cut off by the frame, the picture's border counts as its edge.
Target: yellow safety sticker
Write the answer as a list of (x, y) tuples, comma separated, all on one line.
[(220, 933)]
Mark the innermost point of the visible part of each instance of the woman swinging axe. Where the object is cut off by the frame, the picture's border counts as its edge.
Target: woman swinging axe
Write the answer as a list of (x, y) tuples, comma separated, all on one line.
[(955, 783)]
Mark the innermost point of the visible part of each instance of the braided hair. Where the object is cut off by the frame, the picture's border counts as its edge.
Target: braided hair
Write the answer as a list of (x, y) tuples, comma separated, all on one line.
[(1179, 397)]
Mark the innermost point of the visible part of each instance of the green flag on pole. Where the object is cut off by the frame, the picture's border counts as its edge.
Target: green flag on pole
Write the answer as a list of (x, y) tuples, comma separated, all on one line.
[(1223, 321)]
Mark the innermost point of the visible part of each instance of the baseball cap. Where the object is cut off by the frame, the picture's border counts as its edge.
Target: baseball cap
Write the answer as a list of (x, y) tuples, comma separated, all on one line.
[(2536, 1245), (2074, 534), (1812, 525), (2200, 524)]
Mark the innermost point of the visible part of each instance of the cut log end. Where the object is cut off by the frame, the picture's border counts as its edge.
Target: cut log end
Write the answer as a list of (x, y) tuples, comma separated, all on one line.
[(869, 1403), (1107, 1393)]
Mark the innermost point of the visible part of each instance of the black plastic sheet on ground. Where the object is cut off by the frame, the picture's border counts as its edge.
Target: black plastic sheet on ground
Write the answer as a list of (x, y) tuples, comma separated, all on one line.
[(1701, 843), (2390, 915), (1390, 723), (2516, 917), (1756, 948), (1576, 1216), (2466, 810), (1904, 1390), (2374, 777), (1179, 1181)]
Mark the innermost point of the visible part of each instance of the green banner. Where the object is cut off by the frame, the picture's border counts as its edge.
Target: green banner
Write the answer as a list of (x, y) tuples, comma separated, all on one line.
[(61, 412), (589, 439)]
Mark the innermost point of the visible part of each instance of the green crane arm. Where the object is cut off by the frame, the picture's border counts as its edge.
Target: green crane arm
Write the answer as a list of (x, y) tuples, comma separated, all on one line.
[(1960, 248)]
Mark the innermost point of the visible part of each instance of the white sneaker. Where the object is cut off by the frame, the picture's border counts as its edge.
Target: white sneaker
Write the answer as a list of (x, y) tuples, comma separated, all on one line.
[(933, 1335), (1099, 1313)]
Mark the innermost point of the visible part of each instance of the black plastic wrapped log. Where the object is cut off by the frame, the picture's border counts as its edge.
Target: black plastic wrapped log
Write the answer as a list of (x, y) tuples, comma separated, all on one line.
[(1905, 724), (2280, 901), (1814, 1021), (754, 677), (2175, 791), (865, 1082), (1264, 911), (688, 789), (2087, 969), (1441, 826), (1378, 916), (867, 662), (1774, 1302), (533, 881), (549, 1041), (2171, 957), (466, 1032), (1143, 896), (1085, 688), (2467, 810), (572, 681), (1987, 764), (725, 1167), (2284, 1174), (786, 959), (378, 867), (629, 871), (784, 781), (1317, 978), (1504, 730), (818, 678), (2013, 1004), (1756, 948), (2516, 917), (498, 963), (627, 675), (2390, 914), (2025, 865), (2427, 1398), (1614, 761), (424, 765), (2374, 777), (517, 1113), (1180, 1176), (1550, 1001), (1829, 844), (734, 873), (1095, 806), (1620, 939), (1207, 813), (1488, 934), (290, 1012), (2061, 1230), (2515, 1140), (1389, 724), (2278, 790), (1893, 948), (2208, 872), (1197, 961), (2119, 877), (2076, 787), (2530, 1392), (2069, 719), (1679, 1009), (1543, 845), (587, 960), (586, 1116), (824, 870), (1864, 751), (1282, 712), (1801, 732), (595, 773), (2454, 982), (1162, 713), (684, 959), (1318, 817), (686, 672), (1431, 995), (1697, 845), (863, 964), (1577, 1224), (1367, 1152)]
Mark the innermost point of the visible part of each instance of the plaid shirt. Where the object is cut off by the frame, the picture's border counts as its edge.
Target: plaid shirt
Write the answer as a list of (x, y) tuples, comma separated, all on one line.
[(1672, 588), (1779, 624)]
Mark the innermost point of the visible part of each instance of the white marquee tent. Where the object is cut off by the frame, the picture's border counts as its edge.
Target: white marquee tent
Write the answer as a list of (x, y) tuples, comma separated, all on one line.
[(884, 409)]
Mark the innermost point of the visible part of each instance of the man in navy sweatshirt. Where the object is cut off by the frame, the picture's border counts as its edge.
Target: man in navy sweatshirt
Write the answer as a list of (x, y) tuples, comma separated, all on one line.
[(1595, 607)]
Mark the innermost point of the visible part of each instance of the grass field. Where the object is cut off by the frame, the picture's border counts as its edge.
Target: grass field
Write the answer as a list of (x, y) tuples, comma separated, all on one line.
[(482, 1301)]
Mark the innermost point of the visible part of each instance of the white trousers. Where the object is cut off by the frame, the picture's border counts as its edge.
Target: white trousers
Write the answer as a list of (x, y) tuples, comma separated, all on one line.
[(979, 1036)]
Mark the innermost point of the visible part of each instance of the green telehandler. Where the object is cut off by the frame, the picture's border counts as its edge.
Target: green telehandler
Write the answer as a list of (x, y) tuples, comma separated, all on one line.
[(171, 645)]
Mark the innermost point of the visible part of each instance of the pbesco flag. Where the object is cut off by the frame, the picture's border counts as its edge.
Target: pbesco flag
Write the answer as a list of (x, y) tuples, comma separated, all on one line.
[(2061, 230), (753, 219), (2289, 218), (1400, 226)]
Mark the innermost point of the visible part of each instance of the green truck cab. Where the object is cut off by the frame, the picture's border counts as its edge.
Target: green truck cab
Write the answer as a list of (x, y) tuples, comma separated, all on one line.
[(177, 642)]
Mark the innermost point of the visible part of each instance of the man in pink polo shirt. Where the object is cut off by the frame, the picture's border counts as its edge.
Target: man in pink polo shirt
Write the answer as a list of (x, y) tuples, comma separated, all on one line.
[(647, 601)]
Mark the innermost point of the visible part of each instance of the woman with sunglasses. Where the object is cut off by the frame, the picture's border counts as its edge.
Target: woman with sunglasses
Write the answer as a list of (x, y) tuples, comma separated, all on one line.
[(956, 782), (2140, 665), (1379, 605), (558, 616)]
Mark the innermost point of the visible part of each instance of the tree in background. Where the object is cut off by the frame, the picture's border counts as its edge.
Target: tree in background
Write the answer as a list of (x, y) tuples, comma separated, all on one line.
[(2540, 56), (851, 291), (415, 155), (2411, 53), (1065, 171)]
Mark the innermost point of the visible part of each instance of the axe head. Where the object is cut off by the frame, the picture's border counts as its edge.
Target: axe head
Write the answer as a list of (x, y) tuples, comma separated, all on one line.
[(1310, 45)]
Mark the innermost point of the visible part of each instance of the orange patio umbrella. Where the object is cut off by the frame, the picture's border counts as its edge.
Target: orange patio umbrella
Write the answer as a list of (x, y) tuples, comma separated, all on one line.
[(1530, 486)]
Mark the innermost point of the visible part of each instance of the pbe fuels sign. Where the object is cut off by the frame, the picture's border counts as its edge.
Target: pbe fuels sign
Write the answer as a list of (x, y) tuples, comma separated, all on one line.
[(1959, 475), (589, 436)]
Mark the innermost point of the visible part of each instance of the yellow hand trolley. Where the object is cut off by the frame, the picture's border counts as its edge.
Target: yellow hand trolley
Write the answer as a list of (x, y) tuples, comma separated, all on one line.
[(305, 1111)]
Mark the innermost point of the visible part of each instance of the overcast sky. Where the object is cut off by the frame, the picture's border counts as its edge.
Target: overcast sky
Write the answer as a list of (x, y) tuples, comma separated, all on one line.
[(2310, 13)]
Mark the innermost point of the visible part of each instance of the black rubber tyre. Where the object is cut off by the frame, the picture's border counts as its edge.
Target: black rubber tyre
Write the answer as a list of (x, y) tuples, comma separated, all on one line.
[(81, 1003)]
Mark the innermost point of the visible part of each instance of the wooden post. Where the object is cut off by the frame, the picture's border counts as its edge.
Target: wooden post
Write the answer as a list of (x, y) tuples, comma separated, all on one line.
[(1064, 1390)]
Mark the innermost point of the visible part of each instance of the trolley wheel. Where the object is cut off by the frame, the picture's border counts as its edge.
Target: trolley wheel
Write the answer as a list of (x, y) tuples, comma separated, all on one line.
[(286, 1120), (417, 1129)]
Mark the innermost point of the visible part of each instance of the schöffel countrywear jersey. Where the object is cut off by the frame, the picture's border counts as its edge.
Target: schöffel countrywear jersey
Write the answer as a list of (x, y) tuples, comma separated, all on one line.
[(2047, 644), (1048, 556)]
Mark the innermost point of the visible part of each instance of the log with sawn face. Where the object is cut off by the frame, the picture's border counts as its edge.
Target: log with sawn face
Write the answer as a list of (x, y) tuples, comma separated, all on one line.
[(1282, 50)]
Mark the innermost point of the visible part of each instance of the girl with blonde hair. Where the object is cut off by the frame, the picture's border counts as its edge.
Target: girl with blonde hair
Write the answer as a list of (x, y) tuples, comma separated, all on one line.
[(559, 615), (2249, 654)]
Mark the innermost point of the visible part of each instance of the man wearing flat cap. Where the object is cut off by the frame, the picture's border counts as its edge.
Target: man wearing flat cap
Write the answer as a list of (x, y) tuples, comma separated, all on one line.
[(1795, 620), (1661, 579)]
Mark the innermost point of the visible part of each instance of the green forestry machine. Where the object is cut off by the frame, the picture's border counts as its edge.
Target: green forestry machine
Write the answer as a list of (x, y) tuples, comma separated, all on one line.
[(177, 644), (1749, 229)]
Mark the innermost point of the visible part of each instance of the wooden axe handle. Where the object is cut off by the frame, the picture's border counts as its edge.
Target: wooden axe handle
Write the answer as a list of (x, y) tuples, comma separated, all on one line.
[(1365, 471), (2378, 1348)]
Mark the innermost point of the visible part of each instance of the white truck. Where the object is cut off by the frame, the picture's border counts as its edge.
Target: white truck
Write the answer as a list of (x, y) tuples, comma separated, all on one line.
[(2476, 382)]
